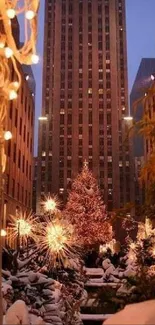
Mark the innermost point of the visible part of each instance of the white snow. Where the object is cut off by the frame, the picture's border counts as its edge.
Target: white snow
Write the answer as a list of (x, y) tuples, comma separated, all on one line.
[(104, 284), (99, 317), (106, 264), (5, 288), (136, 314), (94, 271), (17, 314)]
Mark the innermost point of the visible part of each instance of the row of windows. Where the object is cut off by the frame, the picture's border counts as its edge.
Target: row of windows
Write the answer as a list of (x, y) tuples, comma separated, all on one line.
[(22, 128), (29, 112), (18, 192), (22, 163)]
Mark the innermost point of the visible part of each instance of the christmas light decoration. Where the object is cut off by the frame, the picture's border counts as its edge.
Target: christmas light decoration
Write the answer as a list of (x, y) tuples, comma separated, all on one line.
[(145, 230), (86, 211), (30, 14), (9, 52), (57, 239), (12, 94), (51, 204), (25, 226), (3, 233), (7, 135), (11, 13)]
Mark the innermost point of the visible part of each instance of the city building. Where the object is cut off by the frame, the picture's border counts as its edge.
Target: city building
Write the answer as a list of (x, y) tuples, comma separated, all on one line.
[(19, 149), (35, 162), (143, 81), (85, 99)]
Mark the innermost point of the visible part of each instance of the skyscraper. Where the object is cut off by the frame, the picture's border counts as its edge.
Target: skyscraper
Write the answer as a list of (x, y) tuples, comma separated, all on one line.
[(85, 98), (19, 150), (142, 83)]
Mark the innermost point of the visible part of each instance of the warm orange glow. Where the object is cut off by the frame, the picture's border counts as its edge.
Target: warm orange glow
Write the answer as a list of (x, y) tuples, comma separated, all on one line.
[(25, 226), (51, 204), (7, 135), (56, 239), (3, 233)]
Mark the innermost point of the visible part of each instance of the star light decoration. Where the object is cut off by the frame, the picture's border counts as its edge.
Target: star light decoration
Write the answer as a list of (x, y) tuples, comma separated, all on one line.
[(57, 240), (24, 227), (51, 204)]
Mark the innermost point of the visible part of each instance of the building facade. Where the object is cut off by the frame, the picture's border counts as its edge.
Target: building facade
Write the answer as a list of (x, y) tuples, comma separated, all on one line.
[(35, 165), (85, 98), (19, 150), (142, 83)]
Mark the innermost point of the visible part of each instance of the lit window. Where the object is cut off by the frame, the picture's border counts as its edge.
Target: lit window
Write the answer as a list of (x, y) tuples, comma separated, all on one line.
[(109, 180)]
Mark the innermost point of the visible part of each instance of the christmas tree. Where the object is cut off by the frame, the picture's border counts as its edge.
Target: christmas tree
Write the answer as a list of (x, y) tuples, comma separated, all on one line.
[(86, 210)]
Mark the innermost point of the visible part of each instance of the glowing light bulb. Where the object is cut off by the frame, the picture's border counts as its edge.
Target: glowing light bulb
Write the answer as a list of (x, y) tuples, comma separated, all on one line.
[(152, 77), (7, 135), (3, 233), (29, 14), (11, 13), (34, 58), (27, 77), (16, 84), (2, 45), (8, 52), (12, 94), (50, 205)]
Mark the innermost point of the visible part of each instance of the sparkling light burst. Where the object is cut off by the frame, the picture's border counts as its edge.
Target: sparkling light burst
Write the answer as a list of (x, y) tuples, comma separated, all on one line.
[(57, 239), (23, 226), (51, 204)]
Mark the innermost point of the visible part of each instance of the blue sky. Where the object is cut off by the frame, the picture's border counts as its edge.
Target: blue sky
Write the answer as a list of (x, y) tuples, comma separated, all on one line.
[(140, 21)]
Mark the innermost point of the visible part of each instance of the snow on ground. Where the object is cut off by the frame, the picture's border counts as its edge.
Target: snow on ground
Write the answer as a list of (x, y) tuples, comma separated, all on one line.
[(136, 314), (99, 317), (94, 271), (103, 284)]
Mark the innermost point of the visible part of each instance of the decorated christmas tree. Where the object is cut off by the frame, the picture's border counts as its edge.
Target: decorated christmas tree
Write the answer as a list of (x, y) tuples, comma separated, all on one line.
[(86, 210)]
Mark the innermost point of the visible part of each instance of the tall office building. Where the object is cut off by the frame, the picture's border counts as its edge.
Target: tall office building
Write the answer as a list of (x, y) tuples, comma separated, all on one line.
[(85, 98), (142, 83), (19, 149)]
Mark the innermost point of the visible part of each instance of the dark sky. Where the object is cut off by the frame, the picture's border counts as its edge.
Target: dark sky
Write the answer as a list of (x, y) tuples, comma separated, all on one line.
[(140, 42)]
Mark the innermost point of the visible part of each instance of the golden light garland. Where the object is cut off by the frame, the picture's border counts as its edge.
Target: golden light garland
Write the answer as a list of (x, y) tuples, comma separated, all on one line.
[(10, 52), (57, 240)]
